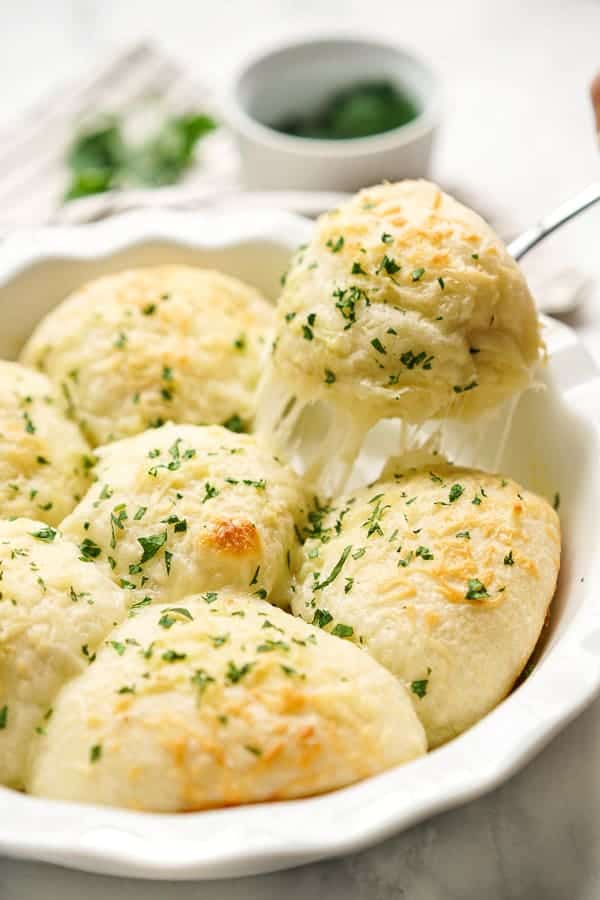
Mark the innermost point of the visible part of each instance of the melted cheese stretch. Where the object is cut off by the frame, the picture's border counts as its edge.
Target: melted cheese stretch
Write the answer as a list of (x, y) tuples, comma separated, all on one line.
[(444, 575)]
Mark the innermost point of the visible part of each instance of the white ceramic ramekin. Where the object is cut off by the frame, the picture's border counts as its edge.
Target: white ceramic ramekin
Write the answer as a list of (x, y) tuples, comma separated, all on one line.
[(297, 78), (553, 446)]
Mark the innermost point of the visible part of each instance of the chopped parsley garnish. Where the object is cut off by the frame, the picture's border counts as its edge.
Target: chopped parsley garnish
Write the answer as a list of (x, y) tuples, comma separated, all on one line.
[(343, 631), (476, 590), (424, 552), (116, 521), (321, 618), (335, 246), (3, 717), (89, 549), (508, 559), (376, 343), (173, 656), (269, 645), (346, 300), (240, 342), (386, 238), (441, 283), (151, 545), (388, 265), (256, 751), (456, 491), (461, 389), (118, 647), (307, 333), (44, 534), (173, 614), (464, 534), (373, 522), (139, 604), (168, 558), (201, 679), (357, 269), (329, 376), (86, 652), (556, 502), (236, 673), (417, 274), (419, 687), (149, 309), (210, 596), (412, 360), (210, 491), (335, 571), (29, 426), (140, 513), (95, 753), (235, 424)]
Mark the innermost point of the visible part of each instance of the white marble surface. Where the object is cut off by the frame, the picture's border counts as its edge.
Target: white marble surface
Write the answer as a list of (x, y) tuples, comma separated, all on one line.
[(517, 139)]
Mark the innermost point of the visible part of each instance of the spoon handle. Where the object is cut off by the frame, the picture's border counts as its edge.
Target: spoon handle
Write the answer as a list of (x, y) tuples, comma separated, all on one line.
[(567, 210)]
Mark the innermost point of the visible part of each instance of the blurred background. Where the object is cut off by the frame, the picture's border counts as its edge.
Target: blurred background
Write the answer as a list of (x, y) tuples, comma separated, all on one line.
[(517, 134)]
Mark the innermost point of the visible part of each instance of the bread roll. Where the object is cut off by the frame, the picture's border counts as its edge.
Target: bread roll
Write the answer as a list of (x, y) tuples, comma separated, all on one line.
[(55, 611), (151, 345), (445, 576), (405, 304), (223, 700), (181, 509), (44, 460)]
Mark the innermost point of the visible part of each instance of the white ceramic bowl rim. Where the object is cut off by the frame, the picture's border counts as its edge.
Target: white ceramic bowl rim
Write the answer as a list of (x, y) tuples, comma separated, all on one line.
[(421, 125), (265, 837)]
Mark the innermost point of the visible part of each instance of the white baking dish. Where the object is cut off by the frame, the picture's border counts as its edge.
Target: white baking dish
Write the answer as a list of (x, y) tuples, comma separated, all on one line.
[(553, 447)]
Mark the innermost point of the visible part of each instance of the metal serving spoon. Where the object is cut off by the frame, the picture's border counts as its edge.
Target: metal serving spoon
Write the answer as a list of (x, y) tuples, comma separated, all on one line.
[(563, 213)]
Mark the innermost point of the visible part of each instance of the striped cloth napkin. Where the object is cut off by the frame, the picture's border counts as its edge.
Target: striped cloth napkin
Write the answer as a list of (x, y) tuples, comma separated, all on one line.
[(33, 148)]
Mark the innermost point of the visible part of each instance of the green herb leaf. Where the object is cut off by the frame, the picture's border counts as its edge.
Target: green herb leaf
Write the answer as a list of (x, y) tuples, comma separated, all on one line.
[(476, 590), (151, 545), (419, 687), (456, 491), (95, 753), (343, 631), (322, 618), (173, 656), (44, 534), (89, 549), (335, 571), (335, 246), (235, 673)]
